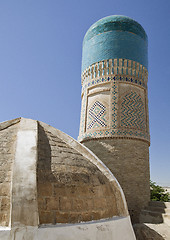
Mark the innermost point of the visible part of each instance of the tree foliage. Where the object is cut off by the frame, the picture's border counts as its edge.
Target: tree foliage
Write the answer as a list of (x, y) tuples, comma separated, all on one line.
[(158, 193)]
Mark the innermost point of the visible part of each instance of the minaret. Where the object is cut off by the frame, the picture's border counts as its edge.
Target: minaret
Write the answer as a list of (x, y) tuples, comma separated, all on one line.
[(114, 113)]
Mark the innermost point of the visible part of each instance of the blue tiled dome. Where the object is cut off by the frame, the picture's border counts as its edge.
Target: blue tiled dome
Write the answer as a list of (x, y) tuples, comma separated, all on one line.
[(115, 37), (115, 22)]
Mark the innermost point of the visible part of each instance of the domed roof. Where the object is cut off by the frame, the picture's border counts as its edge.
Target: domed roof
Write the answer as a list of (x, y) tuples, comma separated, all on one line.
[(48, 178), (115, 22), (73, 185), (115, 37), (55, 179)]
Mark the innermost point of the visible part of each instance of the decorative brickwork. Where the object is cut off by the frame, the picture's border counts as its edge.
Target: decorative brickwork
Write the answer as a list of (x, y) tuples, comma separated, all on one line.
[(96, 116), (132, 112), (114, 104), (124, 67), (119, 122)]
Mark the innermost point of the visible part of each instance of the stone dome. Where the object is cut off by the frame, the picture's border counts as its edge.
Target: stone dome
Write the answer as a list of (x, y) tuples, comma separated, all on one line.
[(71, 186), (48, 178)]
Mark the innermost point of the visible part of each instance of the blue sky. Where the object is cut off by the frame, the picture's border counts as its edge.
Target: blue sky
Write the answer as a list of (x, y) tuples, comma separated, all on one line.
[(40, 64)]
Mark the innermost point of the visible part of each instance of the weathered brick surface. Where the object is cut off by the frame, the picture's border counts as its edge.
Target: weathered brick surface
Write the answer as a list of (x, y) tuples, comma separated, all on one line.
[(128, 160), (70, 188), (7, 151)]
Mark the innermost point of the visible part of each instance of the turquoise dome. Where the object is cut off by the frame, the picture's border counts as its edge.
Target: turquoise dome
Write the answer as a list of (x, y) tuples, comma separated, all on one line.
[(115, 22), (115, 37)]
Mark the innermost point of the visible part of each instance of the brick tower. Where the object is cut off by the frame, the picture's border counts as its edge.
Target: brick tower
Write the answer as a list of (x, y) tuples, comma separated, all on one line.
[(114, 113)]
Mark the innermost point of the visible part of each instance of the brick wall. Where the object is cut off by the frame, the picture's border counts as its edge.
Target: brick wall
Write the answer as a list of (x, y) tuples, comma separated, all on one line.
[(128, 159), (70, 188), (7, 150)]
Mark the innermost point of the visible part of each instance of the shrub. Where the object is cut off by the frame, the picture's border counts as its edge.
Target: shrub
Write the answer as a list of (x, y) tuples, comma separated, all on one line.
[(158, 193)]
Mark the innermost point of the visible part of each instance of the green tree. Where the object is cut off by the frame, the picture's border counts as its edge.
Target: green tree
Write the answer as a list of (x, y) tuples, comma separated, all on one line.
[(158, 193)]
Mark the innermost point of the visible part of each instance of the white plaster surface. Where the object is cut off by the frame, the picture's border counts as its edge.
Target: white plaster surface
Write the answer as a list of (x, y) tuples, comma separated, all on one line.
[(114, 229), (24, 188)]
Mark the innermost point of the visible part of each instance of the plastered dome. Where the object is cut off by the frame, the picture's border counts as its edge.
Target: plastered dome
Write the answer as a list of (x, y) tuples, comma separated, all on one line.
[(52, 187)]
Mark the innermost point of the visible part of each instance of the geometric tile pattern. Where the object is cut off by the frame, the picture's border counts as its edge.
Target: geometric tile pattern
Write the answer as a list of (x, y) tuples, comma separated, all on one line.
[(125, 118), (132, 111), (114, 99), (112, 67), (118, 78), (96, 115)]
